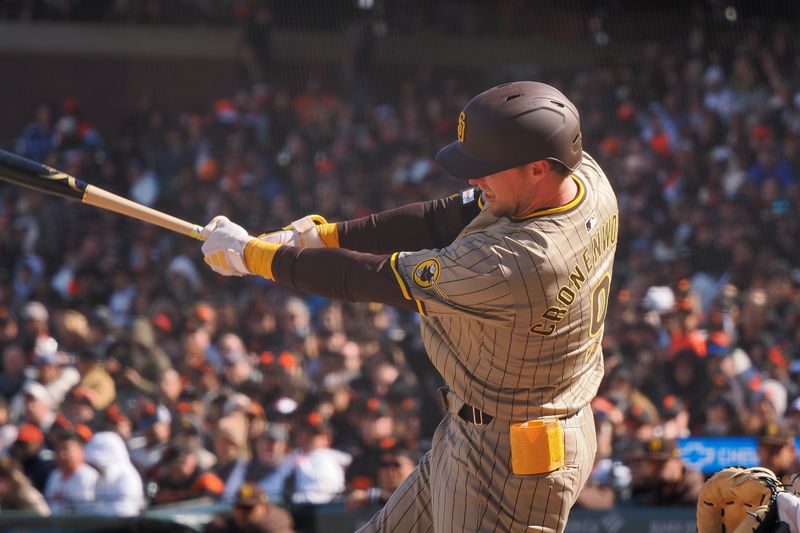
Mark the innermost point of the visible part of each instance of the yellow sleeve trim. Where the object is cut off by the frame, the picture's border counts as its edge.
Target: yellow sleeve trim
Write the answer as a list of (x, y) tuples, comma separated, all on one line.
[(400, 280), (404, 286), (258, 256), (329, 234)]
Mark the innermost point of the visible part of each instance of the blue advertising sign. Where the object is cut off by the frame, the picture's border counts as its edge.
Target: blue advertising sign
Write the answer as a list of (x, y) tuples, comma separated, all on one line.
[(710, 454)]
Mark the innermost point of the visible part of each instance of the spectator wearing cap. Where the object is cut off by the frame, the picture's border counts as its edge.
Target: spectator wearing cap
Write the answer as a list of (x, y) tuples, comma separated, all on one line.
[(768, 406), (375, 426), (16, 491), (316, 472), (252, 512), (394, 466), (95, 377), (53, 369), (38, 408), (45, 356), (230, 447), (34, 320), (71, 486), (669, 481), (674, 418), (188, 431), (777, 451), (113, 419), (179, 478), (270, 451), (149, 445), (119, 490), (51, 372), (36, 461), (72, 330), (79, 406)]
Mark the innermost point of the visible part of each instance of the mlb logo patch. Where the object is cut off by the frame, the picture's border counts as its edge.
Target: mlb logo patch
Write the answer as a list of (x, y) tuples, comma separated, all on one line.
[(591, 222), (467, 196)]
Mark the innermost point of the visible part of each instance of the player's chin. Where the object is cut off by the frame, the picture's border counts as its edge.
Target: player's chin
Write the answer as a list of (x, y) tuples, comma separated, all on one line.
[(497, 210)]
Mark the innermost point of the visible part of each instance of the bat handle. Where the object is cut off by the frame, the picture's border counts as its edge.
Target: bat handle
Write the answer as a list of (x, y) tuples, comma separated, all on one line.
[(105, 200)]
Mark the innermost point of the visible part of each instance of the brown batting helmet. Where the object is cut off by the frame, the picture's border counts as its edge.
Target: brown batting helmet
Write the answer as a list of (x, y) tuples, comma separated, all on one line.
[(510, 125)]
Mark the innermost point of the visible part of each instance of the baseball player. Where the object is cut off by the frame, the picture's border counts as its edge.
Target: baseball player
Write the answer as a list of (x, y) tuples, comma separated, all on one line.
[(511, 278)]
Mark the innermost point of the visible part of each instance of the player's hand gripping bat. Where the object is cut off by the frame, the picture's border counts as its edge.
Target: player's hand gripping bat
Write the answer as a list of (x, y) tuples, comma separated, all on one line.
[(39, 177)]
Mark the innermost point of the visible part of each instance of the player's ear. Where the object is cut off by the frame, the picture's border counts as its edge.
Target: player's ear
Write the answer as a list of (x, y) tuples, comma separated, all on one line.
[(538, 168)]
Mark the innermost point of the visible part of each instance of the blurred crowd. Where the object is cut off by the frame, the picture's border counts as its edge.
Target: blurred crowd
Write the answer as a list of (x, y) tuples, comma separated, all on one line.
[(132, 376)]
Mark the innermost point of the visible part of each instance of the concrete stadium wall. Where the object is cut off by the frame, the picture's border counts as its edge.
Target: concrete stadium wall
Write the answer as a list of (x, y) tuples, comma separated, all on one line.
[(110, 67)]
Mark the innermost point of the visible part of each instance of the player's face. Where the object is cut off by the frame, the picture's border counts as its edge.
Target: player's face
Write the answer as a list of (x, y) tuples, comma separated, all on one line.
[(507, 193)]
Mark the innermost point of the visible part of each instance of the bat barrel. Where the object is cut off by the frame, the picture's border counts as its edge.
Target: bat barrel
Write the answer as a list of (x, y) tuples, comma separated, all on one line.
[(22, 171)]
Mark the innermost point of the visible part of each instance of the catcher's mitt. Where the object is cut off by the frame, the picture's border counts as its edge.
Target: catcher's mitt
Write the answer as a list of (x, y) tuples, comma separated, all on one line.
[(734, 494)]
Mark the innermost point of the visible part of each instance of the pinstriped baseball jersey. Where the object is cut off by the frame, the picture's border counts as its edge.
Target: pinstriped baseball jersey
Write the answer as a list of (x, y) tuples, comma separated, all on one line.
[(512, 317), (513, 310)]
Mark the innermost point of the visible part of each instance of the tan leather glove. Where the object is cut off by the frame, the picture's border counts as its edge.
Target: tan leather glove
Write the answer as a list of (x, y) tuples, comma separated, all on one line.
[(734, 497)]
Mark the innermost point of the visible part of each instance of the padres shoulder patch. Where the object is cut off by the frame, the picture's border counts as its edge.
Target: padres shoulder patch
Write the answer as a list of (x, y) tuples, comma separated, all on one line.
[(426, 273)]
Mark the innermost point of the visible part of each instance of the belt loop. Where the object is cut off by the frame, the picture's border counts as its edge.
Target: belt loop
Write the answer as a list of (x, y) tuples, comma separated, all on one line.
[(477, 416)]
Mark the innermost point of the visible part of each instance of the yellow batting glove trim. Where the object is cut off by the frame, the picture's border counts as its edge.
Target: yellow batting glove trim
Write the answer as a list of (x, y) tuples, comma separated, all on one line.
[(316, 219), (258, 256), (329, 234)]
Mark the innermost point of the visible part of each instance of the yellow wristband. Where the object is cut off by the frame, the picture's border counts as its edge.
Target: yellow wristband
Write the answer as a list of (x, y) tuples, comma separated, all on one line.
[(329, 234), (258, 256)]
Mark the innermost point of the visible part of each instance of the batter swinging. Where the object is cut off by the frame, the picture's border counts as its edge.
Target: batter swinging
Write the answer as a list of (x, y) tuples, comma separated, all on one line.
[(512, 280)]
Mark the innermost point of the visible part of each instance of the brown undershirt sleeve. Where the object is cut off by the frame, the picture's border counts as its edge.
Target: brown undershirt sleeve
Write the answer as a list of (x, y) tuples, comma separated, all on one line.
[(432, 224), (340, 274)]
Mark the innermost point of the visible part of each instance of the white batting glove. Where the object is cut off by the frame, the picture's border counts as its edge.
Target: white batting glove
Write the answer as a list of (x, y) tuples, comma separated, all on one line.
[(224, 247), (301, 233)]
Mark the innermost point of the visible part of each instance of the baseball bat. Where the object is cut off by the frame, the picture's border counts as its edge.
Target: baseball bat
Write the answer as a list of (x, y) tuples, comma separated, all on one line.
[(22, 171)]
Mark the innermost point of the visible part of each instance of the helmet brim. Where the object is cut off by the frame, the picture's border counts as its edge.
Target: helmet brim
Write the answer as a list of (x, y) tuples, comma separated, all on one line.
[(459, 164)]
